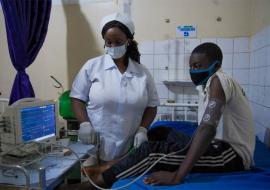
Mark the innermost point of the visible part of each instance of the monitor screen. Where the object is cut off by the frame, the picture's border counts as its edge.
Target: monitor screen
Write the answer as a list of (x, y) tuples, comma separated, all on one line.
[(38, 122)]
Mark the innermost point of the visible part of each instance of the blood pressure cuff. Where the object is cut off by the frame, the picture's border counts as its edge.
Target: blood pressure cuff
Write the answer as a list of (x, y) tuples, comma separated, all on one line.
[(213, 112)]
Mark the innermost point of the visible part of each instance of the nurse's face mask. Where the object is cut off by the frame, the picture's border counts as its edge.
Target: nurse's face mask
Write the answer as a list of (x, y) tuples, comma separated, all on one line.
[(200, 76), (117, 51)]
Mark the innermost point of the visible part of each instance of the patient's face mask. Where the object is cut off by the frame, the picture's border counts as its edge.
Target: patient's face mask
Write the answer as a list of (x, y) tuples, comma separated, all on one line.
[(116, 52), (200, 76)]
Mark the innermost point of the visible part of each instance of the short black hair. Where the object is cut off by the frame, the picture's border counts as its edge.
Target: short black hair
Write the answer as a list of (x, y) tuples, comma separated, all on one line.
[(211, 50)]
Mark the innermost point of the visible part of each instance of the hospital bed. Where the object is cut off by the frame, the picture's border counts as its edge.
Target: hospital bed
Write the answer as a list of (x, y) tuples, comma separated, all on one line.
[(257, 178)]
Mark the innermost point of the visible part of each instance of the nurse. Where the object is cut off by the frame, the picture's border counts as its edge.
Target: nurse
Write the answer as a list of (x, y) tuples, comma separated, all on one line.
[(114, 94)]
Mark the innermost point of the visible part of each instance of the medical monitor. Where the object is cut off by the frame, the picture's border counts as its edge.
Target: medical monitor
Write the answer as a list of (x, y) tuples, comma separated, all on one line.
[(29, 120)]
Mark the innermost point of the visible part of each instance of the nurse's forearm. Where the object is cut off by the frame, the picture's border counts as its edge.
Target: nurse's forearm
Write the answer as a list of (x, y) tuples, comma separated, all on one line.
[(79, 110), (148, 116)]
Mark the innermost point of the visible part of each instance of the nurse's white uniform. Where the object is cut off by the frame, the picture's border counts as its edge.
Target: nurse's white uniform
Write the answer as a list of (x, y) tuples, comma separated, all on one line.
[(115, 101)]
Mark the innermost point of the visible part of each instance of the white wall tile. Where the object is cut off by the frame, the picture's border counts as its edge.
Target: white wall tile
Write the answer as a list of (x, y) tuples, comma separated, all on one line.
[(260, 116), (261, 92), (267, 76), (251, 77), (254, 110), (249, 95), (266, 97), (263, 54), (161, 62), (260, 131), (263, 57), (259, 58), (256, 42), (268, 56), (241, 75), (252, 60), (241, 44), (241, 60), (176, 61), (252, 43), (256, 76), (261, 39), (265, 117), (162, 91), (251, 92), (204, 40), (259, 95), (255, 95), (173, 74), (255, 59), (146, 47), (261, 75), (176, 46), (147, 60), (186, 60), (180, 74), (160, 76), (176, 74), (268, 35), (190, 44), (161, 47), (227, 62), (226, 44)]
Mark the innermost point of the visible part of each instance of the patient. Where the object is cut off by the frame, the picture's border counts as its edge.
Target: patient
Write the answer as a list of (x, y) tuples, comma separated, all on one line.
[(223, 142)]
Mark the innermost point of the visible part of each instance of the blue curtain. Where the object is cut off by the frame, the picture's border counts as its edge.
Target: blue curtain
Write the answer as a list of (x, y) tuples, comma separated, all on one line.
[(26, 26)]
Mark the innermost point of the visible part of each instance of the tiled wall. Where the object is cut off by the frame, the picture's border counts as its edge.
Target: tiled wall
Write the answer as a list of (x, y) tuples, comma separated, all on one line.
[(246, 59), (168, 60), (259, 83)]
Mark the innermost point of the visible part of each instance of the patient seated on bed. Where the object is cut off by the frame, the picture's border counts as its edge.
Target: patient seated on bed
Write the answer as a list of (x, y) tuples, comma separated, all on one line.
[(223, 142)]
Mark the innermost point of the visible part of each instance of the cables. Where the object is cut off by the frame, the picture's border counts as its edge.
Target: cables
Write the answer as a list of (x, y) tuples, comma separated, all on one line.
[(22, 154), (138, 177)]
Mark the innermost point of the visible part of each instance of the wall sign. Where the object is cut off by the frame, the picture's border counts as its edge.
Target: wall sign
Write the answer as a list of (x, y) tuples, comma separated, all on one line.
[(186, 31)]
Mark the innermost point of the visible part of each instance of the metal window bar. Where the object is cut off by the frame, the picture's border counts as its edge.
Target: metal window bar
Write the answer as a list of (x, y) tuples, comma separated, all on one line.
[(186, 107)]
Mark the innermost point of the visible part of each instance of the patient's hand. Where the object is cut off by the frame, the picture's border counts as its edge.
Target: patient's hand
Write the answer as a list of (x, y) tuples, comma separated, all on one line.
[(162, 178)]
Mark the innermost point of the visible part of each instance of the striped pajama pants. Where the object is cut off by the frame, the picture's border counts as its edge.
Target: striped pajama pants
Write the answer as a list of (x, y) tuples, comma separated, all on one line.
[(219, 157)]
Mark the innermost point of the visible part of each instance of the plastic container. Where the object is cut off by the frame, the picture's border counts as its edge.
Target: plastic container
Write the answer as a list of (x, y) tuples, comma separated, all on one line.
[(65, 109)]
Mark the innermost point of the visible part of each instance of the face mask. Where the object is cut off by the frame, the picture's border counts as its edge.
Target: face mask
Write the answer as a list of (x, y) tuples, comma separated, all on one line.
[(200, 77), (116, 52)]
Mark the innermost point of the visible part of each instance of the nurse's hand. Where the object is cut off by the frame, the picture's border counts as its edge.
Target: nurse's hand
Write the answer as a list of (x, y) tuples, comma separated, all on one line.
[(87, 133), (140, 137)]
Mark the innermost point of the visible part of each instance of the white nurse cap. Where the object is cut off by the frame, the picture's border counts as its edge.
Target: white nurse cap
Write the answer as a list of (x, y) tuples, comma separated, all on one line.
[(120, 18)]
